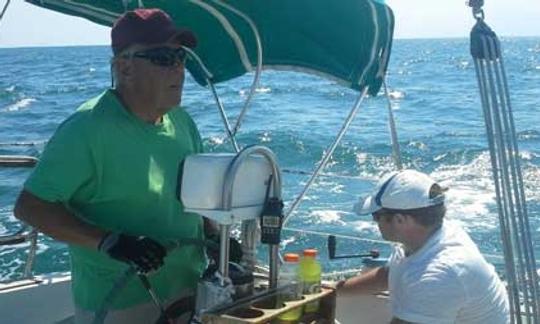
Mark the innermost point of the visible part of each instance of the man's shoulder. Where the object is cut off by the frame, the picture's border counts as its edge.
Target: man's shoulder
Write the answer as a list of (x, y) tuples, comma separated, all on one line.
[(456, 262), (179, 113), (182, 118), (438, 267), (89, 111), (97, 103)]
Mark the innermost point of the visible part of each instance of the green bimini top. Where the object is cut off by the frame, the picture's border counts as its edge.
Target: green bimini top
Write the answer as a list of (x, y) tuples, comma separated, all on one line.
[(345, 40)]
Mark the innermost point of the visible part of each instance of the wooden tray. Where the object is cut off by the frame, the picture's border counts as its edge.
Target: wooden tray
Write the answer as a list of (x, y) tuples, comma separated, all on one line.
[(263, 311)]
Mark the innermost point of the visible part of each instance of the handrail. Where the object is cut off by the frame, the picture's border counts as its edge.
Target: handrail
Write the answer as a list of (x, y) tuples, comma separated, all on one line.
[(18, 161), (18, 237), (24, 234)]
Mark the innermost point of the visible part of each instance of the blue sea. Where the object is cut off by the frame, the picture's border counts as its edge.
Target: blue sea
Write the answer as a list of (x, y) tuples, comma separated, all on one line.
[(434, 98)]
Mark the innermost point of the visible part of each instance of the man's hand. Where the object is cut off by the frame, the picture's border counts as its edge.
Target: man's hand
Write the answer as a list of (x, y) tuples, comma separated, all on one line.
[(368, 282), (143, 253)]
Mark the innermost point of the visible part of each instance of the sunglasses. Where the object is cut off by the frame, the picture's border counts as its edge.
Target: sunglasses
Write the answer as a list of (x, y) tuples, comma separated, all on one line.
[(163, 56)]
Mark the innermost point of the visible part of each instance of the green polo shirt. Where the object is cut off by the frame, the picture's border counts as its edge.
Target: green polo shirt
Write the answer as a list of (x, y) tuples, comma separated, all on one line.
[(117, 172)]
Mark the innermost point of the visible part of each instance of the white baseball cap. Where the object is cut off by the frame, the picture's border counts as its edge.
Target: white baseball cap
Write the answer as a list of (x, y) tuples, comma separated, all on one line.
[(402, 190)]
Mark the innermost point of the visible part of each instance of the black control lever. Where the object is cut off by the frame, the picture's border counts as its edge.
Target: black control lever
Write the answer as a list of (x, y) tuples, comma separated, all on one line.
[(332, 244)]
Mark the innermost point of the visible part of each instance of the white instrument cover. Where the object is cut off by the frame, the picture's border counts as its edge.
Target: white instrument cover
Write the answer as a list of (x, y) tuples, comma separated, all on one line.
[(203, 178)]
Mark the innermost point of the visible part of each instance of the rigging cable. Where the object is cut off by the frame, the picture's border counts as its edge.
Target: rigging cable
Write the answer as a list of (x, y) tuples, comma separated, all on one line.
[(5, 9), (520, 263), (328, 153), (396, 152)]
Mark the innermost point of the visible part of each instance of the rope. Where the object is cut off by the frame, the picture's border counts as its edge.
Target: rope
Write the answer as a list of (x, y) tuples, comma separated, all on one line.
[(520, 262)]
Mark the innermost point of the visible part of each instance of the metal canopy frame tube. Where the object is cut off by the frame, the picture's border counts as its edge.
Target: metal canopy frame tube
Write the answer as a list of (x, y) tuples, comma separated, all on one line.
[(221, 109), (228, 187), (259, 63), (396, 152), (249, 229), (328, 154), (224, 117)]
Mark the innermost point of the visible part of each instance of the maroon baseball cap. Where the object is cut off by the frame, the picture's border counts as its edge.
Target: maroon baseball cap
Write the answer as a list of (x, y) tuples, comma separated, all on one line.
[(147, 26)]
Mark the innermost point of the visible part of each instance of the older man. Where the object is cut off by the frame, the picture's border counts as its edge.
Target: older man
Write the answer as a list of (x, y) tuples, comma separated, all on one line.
[(436, 274), (106, 182)]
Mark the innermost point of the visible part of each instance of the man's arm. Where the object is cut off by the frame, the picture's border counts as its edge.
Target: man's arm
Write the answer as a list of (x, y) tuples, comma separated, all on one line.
[(369, 282), (53, 219)]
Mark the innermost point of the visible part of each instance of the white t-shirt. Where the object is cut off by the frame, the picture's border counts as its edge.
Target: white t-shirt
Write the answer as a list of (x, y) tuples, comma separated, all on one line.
[(446, 281)]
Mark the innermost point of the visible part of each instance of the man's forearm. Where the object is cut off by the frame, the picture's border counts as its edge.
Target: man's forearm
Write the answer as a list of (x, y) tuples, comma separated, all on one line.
[(368, 282), (53, 219)]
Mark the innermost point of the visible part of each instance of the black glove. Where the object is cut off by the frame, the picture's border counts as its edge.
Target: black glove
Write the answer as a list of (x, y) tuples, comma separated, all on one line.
[(143, 253)]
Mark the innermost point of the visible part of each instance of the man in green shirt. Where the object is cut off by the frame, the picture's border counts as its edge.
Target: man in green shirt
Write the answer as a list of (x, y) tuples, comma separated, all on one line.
[(106, 182)]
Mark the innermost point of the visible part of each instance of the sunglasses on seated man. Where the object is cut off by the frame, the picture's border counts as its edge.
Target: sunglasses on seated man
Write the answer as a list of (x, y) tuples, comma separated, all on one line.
[(161, 56), (380, 213)]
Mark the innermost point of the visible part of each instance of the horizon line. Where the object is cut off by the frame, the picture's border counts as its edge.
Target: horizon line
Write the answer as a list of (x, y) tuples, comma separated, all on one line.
[(395, 39)]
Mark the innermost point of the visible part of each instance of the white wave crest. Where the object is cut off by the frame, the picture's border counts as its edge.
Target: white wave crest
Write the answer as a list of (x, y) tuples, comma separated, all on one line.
[(531, 180), (327, 216), (217, 140), (283, 244), (471, 200), (244, 92), (21, 104), (263, 90), (265, 137), (365, 226), (396, 94), (471, 196)]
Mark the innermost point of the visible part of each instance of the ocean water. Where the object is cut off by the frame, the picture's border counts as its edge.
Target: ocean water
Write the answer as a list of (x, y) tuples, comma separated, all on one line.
[(434, 99)]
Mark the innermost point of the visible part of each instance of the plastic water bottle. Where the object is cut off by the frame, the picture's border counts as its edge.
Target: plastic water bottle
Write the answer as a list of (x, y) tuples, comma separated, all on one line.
[(289, 277), (310, 274)]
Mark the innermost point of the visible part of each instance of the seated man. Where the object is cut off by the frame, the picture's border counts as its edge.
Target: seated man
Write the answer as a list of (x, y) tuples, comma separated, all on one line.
[(436, 274)]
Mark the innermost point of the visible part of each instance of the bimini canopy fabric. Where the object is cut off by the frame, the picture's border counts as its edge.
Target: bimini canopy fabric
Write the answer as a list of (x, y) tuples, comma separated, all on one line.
[(347, 40)]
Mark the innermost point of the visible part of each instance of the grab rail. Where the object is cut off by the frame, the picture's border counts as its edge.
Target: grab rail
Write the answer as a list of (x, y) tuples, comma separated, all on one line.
[(25, 233), (18, 161)]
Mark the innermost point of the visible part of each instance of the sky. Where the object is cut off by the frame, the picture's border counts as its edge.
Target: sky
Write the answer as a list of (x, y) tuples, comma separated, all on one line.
[(26, 25)]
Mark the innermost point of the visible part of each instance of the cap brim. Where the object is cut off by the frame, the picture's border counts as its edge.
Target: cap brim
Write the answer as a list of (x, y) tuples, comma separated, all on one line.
[(184, 37), (365, 206)]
